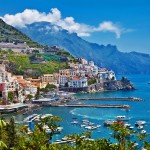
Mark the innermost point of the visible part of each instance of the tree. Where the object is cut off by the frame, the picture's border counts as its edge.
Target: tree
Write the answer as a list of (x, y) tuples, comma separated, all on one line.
[(29, 97), (11, 133), (2, 134), (122, 135), (50, 86), (10, 96)]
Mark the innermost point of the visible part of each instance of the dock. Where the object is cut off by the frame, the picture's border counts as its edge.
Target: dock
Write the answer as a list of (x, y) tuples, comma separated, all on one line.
[(91, 105), (112, 98)]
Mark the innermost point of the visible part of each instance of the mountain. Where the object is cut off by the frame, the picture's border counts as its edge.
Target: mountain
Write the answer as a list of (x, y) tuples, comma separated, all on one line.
[(11, 34), (106, 56)]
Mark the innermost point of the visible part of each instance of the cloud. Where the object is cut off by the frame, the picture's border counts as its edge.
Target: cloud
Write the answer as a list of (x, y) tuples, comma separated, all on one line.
[(110, 27), (29, 16)]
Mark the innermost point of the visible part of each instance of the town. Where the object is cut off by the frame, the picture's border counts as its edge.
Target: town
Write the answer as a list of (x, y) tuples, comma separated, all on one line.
[(79, 76)]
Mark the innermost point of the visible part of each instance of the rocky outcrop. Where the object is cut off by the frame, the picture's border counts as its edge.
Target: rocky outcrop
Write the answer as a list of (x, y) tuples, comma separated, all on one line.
[(112, 85), (118, 85), (123, 84)]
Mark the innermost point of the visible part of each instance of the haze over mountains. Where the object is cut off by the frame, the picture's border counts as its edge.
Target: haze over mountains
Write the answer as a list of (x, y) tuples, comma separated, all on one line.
[(106, 56)]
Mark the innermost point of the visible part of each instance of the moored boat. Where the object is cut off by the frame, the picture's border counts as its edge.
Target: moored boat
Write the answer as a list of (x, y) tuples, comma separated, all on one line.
[(122, 118), (140, 122), (108, 122), (143, 131), (74, 122), (140, 127)]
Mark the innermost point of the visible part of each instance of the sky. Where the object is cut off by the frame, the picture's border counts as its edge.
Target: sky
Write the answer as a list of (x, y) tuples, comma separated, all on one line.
[(125, 23)]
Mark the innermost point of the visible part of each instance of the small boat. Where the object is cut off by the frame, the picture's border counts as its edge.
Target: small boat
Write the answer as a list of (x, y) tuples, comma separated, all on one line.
[(85, 121), (140, 122), (108, 122), (46, 115), (91, 123), (58, 130), (148, 83), (127, 125), (98, 126), (83, 125), (58, 140), (131, 127), (29, 118), (88, 127), (140, 127), (122, 118), (143, 131), (74, 122)]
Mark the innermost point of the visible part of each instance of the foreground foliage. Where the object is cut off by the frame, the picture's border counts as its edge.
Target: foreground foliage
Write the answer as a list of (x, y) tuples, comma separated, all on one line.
[(19, 138)]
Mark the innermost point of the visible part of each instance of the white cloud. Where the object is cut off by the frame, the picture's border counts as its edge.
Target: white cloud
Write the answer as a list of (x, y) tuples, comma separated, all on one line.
[(29, 16)]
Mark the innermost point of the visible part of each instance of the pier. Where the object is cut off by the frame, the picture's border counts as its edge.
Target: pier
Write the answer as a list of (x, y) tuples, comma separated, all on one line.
[(90, 105), (112, 98)]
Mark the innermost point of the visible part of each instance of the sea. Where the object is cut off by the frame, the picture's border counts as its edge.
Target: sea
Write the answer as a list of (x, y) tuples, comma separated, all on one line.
[(140, 110)]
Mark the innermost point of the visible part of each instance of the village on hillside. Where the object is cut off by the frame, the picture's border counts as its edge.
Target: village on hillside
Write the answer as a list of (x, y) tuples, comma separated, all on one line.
[(80, 75)]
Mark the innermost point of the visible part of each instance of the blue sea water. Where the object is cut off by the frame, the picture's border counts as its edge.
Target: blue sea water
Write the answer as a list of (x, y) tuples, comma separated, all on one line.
[(138, 111)]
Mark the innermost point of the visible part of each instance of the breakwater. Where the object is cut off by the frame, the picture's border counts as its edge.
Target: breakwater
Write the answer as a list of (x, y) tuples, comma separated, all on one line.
[(112, 98), (89, 105)]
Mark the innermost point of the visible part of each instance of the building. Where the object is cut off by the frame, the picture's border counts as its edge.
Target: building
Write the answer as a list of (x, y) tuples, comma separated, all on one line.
[(19, 47), (78, 82), (49, 79), (35, 82)]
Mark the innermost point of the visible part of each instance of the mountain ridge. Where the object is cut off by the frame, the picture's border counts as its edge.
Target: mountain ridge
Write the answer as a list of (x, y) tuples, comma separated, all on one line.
[(105, 56), (9, 33)]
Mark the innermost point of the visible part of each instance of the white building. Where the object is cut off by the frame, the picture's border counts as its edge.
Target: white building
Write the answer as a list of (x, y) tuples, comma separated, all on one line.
[(91, 63), (77, 82), (106, 75), (32, 90)]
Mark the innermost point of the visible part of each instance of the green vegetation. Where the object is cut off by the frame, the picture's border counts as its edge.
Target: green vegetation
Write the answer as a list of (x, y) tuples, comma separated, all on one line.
[(29, 97), (50, 86), (11, 34), (11, 96), (91, 81), (20, 64), (19, 138)]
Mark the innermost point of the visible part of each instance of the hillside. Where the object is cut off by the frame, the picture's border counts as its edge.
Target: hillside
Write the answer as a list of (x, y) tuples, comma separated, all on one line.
[(20, 64), (106, 56), (11, 34)]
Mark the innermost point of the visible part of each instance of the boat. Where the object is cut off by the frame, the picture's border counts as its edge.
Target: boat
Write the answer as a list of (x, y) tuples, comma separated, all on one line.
[(98, 126), (143, 131), (74, 122), (46, 115), (140, 127), (29, 118), (131, 127), (58, 140), (92, 127), (140, 122), (122, 118), (127, 125), (83, 125), (148, 83), (88, 127), (91, 123), (108, 122), (58, 130), (85, 121)]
